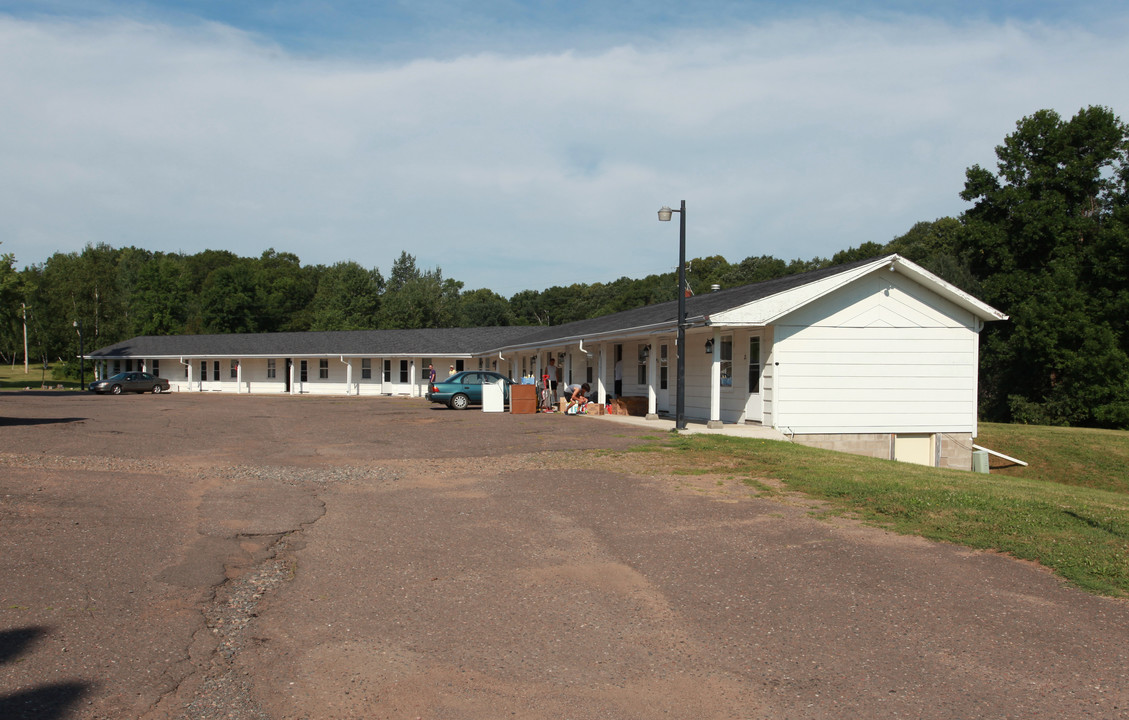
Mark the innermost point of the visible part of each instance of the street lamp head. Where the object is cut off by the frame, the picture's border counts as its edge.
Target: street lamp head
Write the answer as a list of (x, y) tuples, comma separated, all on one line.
[(664, 214)]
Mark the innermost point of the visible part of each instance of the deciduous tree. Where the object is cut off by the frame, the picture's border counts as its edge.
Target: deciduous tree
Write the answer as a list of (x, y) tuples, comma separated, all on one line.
[(1047, 239)]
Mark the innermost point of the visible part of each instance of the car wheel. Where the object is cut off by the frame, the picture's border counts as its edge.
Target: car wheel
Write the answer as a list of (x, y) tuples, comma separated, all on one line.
[(156, 389), (459, 402), (116, 390)]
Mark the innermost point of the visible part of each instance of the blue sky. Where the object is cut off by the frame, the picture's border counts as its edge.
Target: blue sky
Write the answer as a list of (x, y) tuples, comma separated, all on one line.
[(520, 144)]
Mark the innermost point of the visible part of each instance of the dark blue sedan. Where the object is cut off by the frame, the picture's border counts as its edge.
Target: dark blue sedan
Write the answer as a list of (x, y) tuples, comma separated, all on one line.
[(464, 389)]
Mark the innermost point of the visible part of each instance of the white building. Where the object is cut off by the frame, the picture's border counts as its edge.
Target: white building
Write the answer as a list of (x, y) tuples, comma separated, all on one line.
[(877, 357)]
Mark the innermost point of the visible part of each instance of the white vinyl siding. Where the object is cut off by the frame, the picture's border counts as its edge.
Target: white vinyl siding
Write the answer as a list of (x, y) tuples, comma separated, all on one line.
[(698, 362), (884, 361)]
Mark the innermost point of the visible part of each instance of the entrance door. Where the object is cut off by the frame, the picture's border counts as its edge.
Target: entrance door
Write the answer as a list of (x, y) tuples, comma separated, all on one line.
[(662, 387), (754, 411)]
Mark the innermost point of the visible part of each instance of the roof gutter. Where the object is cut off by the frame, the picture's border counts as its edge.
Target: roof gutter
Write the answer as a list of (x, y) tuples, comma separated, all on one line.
[(699, 320)]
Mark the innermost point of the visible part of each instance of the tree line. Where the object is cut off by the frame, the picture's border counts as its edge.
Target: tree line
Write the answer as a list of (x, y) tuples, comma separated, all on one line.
[(1046, 240)]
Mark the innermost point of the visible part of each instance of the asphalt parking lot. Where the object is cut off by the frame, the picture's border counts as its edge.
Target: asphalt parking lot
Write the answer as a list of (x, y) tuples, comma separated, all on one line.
[(206, 556)]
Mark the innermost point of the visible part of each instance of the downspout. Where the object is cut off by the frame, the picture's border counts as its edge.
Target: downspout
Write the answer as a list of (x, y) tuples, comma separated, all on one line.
[(348, 375), (188, 373)]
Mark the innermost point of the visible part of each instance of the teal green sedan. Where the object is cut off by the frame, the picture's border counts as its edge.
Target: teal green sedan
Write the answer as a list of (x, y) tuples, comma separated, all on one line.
[(464, 389)]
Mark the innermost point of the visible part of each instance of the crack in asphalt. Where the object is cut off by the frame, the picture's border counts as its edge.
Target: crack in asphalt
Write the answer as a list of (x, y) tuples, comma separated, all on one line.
[(218, 688), (225, 692)]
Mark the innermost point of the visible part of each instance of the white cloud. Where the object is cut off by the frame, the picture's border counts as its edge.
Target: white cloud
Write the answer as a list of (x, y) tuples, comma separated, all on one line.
[(797, 138)]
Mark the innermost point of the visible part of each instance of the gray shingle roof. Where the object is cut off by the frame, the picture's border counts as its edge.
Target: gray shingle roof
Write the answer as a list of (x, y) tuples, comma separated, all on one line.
[(666, 313), (451, 341), (414, 343)]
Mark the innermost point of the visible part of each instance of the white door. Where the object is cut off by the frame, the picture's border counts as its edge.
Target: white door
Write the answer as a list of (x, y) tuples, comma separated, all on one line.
[(754, 411), (662, 387)]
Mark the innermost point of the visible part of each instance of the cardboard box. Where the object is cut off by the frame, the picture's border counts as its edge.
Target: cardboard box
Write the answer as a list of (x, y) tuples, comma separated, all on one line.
[(523, 399), (630, 405)]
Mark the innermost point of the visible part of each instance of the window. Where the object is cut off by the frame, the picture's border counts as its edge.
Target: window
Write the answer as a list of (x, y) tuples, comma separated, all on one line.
[(203, 370), (366, 369), (156, 368), (644, 351), (234, 369), (754, 365), (303, 372), (216, 370), (129, 365), (727, 361), (589, 376), (403, 371), (387, 371), (117, 367), (664, 367), (270, 369), (323, 369)]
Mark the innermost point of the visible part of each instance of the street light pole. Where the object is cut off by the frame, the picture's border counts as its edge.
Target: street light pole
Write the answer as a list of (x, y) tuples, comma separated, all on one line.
[(680, 350), (81, 358)]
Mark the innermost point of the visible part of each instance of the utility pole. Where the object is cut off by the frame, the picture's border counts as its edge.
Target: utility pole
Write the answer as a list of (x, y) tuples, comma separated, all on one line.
[(24, 306)]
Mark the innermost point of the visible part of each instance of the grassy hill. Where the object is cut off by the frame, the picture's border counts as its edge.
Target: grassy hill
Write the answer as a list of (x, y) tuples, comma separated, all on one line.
[(1069, 456), (1067, 510)]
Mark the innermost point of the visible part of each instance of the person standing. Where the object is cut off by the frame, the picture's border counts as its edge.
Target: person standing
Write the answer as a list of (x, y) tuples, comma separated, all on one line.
[(431, 373), (554, 374)]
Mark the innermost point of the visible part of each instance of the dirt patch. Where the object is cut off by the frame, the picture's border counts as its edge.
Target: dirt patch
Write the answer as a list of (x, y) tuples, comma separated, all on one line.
[(198, 556)]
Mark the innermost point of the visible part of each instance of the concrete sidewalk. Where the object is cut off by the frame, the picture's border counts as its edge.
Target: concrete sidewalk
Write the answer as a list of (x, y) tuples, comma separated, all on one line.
[(666, 424)]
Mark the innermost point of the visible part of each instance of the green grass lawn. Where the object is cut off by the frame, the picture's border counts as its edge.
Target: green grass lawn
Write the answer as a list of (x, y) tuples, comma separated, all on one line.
[(1069, 456), (13, 377), (1069, 510)]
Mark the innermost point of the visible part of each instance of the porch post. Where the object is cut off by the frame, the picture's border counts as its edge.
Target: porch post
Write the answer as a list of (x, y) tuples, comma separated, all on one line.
[(652, 395), (601, 371), (715, 382)]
